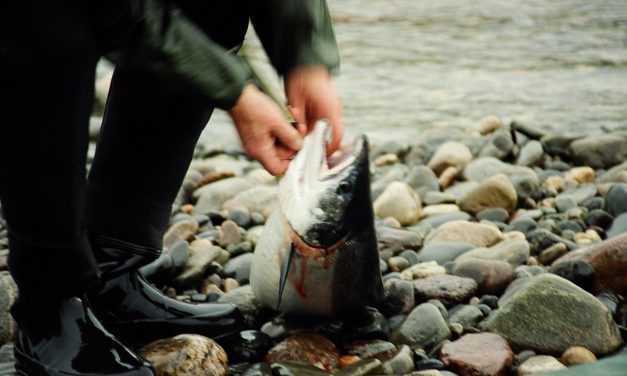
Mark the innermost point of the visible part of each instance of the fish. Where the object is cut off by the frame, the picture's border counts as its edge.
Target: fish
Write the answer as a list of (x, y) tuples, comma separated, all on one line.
[(318, 253)]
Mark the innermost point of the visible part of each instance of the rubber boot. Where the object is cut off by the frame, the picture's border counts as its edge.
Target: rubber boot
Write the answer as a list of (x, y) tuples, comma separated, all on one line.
[(137, 313), (65, 338)]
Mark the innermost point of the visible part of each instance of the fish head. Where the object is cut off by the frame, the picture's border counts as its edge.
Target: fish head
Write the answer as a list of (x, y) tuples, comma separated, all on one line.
[(325, 198)]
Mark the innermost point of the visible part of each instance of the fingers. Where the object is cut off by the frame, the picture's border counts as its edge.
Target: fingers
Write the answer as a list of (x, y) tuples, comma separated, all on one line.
[(288, 136)]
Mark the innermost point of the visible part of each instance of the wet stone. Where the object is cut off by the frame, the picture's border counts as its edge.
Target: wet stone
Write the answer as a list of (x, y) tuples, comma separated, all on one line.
[(539, 364), (399, 297), (549, 314), (493, 215), (492, 276), (478, 354), (440, 219), (258, 369), (186, 354), (524, 225), (577, 355), (616, 200), (494, 192), (306, 347), (238, 268), (467, 316), (230, 233), (480, 235), (248, 346), (424, 327), (442, 252), (448, 289), (599, 218), (396, 362)]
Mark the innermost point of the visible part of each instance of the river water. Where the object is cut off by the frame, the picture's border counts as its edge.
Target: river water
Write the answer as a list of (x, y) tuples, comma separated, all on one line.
[(411, 64)]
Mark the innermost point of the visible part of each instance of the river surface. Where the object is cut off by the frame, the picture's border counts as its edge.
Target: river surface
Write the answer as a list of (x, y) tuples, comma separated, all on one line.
[(412, 64)]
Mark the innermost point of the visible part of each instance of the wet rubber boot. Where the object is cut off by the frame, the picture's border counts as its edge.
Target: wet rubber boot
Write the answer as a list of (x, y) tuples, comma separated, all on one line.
[(65, 338), (137, 313)]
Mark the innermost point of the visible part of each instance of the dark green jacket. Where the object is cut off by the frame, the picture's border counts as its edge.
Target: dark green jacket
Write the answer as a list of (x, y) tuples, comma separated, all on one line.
[(166, 44)]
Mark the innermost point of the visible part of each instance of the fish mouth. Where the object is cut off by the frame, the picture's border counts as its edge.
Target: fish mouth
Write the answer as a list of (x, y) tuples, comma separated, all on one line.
[(317, 189)]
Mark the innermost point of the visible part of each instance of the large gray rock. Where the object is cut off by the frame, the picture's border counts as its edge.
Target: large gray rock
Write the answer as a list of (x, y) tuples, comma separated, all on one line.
[(424, 327), (549, 314)]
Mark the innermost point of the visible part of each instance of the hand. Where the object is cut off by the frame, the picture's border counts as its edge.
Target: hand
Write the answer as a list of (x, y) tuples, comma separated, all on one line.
[(311, 96), (265, 133)]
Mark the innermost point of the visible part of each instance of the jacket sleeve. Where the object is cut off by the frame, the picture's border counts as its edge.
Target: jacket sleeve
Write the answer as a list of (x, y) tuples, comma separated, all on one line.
[(296, 33), (164, 43)]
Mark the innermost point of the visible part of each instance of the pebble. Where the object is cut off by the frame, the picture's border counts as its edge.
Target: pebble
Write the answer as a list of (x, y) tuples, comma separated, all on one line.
[(438, 220), (539, 364), (186, 355), (581, 175), (435, 197), (564, 202), (608, 259), (396, 362), (443, 252), (448, 176), (422, 270), (238, 268), (260, 198), (468, 316), (306, 347), (448, 289), (577, 355), (484, 354), (477, 234), (398, 264), (552, 253), (385, 159), (531, 154), (395, 240), (619, 226), (8, 294), (487, 125), (492, 276), (494, 192), (549, 314), (399, 201), (241, 217), (439, 209), (485, 167), (493, 215), (180, 231), (616, 200), (211, 197), (201, 254), (527, 187), (422, 179), (450, 153), (424, 327), (600, 151), (499, 146), (514, 251), (599, 218), (229, 234)]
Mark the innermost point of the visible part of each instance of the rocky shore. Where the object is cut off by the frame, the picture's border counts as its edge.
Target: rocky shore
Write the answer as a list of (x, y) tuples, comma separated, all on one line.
[(503, 251)]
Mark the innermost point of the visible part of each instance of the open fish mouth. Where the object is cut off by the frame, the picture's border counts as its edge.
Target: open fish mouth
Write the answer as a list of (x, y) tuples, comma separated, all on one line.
[(317, 190)]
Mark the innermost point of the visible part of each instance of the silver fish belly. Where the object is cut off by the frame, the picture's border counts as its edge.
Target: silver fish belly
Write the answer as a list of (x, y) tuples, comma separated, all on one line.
[(318, 253)]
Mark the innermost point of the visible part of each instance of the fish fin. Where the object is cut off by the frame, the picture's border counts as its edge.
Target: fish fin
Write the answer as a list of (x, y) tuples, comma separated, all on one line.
[(285, 269)]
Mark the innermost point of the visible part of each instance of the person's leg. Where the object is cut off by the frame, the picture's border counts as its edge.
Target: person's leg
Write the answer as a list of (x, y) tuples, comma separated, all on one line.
[(47, 67), (144, 149)]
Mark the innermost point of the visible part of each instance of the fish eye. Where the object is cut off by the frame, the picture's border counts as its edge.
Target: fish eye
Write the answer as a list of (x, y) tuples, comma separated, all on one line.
[(345, 187)]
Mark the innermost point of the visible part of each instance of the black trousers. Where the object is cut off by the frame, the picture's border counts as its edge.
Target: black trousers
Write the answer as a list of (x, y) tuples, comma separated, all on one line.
[(48, 54)]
